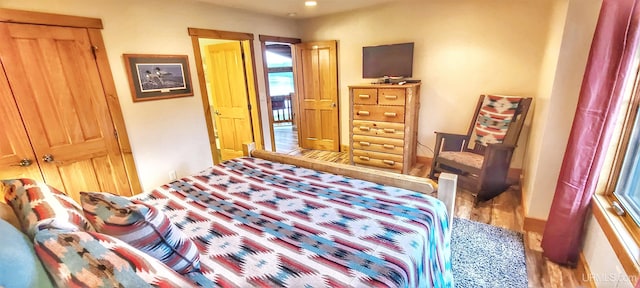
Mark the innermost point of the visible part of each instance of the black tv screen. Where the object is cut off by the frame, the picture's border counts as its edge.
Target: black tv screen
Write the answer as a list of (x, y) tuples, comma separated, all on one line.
[(395, 60)]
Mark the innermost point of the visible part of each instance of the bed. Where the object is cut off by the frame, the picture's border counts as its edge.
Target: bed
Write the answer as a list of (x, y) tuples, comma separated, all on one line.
[(281, 221)]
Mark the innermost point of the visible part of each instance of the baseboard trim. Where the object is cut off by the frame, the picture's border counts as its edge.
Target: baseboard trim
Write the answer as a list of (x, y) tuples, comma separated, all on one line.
[(514, 175), (424, 160), (534, 225), (583, 273), (344, 147)]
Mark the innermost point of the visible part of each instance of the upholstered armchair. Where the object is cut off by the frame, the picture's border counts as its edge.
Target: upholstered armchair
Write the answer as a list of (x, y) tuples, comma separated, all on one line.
[(482, 157)]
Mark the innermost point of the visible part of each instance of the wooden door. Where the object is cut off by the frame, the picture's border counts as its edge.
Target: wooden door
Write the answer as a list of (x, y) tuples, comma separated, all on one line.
[(16, 155), (230, 99), (55, 82), (316, 73)]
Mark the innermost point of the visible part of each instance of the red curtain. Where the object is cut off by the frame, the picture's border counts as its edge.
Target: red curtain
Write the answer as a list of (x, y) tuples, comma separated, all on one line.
[(610, 59)]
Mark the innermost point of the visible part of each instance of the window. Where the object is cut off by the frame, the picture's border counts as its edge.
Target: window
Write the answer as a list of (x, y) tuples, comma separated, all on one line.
[(280, 74), (623, 187), (627, 191)]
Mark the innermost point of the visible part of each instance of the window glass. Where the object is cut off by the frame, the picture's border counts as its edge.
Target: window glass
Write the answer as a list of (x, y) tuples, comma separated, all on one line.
[(628, 187), (280, 82), (275, 60)]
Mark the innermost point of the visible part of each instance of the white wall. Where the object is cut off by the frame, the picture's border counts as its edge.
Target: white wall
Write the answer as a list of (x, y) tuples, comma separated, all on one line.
[(558, 98), (165, 134), (462, 49), (606, 269), (540, 113)]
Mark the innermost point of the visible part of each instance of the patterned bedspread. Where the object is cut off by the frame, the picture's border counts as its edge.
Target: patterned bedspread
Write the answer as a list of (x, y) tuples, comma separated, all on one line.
[(264, 224)]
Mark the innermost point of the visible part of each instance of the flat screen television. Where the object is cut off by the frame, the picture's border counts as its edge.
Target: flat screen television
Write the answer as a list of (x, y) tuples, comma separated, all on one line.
[(395, 60)]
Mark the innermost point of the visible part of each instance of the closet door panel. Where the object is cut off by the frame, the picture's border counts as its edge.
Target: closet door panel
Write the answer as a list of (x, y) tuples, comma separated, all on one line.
[(55, 81), (16, 156)]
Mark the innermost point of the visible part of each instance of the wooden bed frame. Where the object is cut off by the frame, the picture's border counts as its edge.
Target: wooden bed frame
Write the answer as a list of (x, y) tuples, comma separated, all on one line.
[(445, 189)]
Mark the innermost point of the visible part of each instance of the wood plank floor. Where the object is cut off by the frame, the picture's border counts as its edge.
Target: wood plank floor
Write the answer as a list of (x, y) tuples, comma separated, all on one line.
[(503, 211), (286, 138)]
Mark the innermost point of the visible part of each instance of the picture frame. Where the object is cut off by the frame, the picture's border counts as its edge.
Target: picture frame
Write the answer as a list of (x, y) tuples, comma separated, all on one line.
[(154, 77)]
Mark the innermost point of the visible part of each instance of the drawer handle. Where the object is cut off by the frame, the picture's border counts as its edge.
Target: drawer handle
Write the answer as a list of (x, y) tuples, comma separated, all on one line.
[(389, 130), (389, 162), (389, 146), (390, 97), (363, 113), (364, 96), (364, 128), (365, 143), (390, 114), (364, 158)]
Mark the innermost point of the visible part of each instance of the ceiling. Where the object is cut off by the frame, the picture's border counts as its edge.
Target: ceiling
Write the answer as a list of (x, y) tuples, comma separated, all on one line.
[(284, 7)]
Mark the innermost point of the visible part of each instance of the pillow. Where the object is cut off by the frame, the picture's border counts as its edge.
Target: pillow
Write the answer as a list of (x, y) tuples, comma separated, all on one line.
[(18, 257), (142, 226), (90, 259), (39, 206)]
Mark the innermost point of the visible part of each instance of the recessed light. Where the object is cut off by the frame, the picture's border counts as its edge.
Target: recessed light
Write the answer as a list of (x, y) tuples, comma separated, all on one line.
[(310, 3), (292, 14)]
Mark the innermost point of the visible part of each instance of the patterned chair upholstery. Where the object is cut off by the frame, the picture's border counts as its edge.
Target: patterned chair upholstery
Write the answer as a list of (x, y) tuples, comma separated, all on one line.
[(482, 157)]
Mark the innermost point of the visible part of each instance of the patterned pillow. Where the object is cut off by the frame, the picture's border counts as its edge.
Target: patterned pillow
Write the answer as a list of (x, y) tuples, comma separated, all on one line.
[(40, 206), (142, 226), (90, 259), (494, 118)]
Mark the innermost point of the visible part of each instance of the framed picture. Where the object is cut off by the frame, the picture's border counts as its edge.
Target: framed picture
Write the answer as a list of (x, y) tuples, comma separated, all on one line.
[(153, 77)]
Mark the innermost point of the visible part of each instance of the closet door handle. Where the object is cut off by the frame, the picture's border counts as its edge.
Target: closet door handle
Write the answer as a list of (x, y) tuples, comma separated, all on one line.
[(47, 158), (24, 163)]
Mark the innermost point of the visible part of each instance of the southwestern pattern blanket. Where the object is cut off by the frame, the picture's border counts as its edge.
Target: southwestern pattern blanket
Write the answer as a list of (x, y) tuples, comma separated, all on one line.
[(258, 223)]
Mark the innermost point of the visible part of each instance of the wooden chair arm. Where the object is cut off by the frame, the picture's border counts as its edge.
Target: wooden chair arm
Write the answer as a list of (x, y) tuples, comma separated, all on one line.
[(449, 142)]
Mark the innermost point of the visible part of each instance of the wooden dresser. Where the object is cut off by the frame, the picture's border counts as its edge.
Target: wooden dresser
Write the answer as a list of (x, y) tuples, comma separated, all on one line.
[(384, 125)]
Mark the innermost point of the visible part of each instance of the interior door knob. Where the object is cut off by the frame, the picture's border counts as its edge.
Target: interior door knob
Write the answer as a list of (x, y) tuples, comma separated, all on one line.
[(47, 158), (25, 162), (217, 112)]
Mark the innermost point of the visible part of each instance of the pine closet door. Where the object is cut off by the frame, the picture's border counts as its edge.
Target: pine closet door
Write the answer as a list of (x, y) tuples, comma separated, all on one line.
[(17, 159), (58, 94)]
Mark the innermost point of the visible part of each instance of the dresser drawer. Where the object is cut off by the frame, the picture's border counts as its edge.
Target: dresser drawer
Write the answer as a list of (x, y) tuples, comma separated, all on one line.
[(365, 96), (378, 144), (377, 159), (379, 113), (388, 96), (381, 129)]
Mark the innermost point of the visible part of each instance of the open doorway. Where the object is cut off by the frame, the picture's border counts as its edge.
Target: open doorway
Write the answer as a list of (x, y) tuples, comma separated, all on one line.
[(281, 92)]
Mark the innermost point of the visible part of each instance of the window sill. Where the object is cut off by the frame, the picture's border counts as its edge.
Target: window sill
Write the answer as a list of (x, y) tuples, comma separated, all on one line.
[(626, 248)]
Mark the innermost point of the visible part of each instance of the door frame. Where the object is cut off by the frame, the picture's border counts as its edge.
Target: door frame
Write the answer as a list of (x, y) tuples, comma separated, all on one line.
[(263, 46), (93, 26), (256, 123)]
